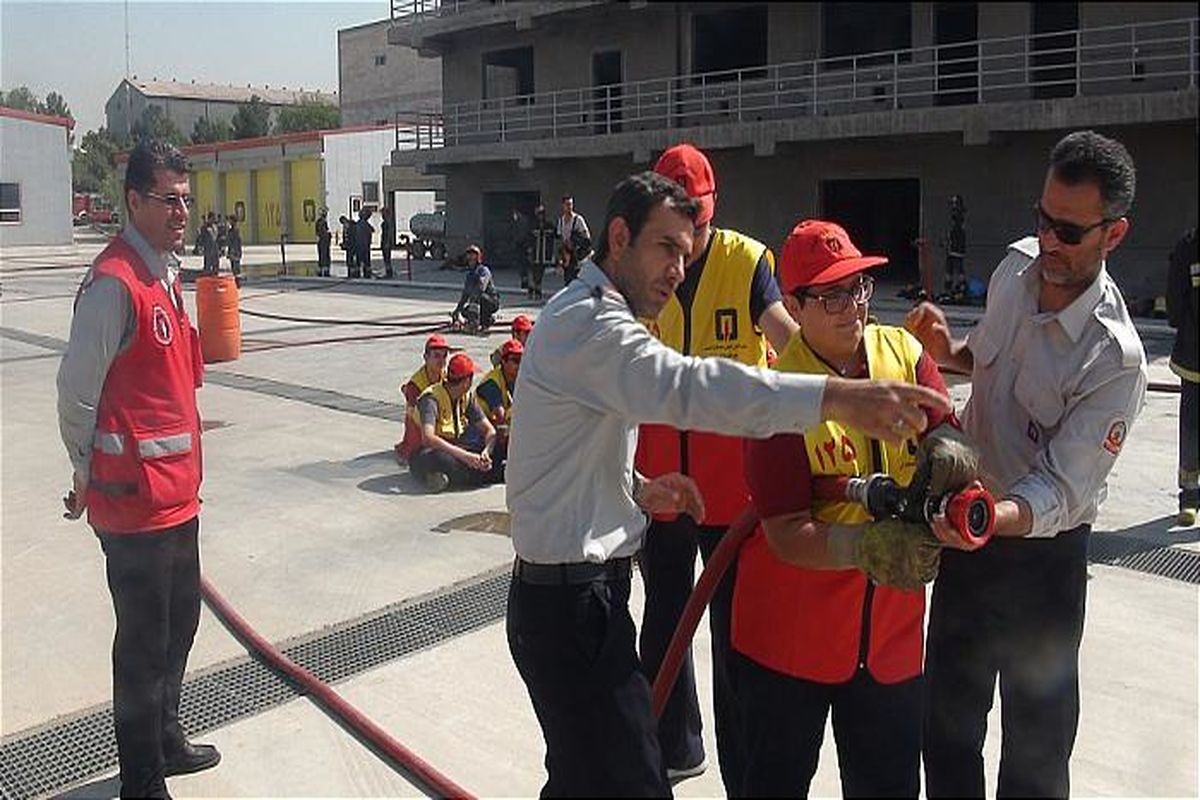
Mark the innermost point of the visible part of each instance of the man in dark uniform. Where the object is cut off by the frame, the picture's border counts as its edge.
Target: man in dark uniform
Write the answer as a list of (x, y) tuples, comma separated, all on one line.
[(323, 239), (1183, 309), (127, 414)]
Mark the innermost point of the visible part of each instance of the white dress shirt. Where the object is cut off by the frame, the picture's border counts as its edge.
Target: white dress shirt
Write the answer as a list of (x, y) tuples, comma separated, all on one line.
[(590, 375), (1053, 394)]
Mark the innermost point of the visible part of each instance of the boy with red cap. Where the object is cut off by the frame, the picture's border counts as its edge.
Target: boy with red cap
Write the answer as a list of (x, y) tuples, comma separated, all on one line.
[(726, 303), (456, 437), (810, 632), (522, 326), (495, 394), (429, 373)]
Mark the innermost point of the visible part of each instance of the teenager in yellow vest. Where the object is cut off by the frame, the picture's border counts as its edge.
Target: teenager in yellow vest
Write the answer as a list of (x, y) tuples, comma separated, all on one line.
[(811, 633), (495, 394), (456, 437), (429, 373), (728, 305)]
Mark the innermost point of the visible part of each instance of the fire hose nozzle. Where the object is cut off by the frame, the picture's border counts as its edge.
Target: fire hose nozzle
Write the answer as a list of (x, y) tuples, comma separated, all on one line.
[(971, 511)]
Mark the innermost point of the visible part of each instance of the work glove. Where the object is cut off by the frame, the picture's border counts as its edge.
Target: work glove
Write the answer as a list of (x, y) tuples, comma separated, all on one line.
[(946, 462), (895, 553)]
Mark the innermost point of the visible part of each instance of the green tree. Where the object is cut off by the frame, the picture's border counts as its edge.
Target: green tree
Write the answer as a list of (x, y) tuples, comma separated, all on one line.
[(311, 114), (155, 124), (22, 98), (252, 119), (207, 131), (56, 105), (92, 163)]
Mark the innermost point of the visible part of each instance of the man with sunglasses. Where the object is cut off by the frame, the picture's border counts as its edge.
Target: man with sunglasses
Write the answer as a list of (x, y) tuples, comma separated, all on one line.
[(728, 305), (812, 634), (1058, 377), (457, 440), (128, 417)]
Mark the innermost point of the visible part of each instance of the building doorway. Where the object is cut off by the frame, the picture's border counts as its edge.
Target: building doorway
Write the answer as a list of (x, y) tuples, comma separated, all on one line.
[(499, 250), (956, 30), (607, 75), (883, 217)]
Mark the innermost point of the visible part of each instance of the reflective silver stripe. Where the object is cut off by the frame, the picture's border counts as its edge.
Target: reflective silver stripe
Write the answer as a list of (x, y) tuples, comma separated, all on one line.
[(112, 444), (165, 445)]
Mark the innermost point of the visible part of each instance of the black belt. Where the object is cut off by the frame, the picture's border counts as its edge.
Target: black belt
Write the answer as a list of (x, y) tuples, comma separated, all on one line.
[(573, 573)]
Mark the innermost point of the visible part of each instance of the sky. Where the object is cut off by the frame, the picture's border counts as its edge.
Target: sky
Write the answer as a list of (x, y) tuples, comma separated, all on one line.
[(78, 48)]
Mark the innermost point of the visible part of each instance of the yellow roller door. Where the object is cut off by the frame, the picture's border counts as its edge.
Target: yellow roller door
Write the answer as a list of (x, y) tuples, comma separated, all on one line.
[(204, 188), (270, 213), (306, 194), (237, 197)]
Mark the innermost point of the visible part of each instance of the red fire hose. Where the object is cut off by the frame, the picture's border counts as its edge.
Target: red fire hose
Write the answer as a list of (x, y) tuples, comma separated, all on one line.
[(433, 782)]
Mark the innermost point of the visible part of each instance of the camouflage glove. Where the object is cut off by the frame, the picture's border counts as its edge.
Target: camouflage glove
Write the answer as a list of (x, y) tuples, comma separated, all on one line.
[(895, 553), (946, 462)]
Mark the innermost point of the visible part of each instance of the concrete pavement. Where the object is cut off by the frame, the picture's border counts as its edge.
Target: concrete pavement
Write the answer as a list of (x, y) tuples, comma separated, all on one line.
[(308, 525)]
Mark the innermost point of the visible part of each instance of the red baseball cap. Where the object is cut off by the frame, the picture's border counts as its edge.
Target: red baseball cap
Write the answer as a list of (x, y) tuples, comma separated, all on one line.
[(689, 167), (522, 323), (817, 252), (436, 342), (512, 347), (460, 366)]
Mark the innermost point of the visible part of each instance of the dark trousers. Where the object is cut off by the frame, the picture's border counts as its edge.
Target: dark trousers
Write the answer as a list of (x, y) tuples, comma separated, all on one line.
[(427, 460), (574, 648), (351, 263), (536, 273), (154, 579), (1189, 462), (1015, 609), (877, 728), (387, 262), (323, 258), (668, 562)]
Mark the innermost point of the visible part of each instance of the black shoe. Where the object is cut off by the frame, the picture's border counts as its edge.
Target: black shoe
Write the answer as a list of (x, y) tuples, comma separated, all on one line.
[(192, 758)]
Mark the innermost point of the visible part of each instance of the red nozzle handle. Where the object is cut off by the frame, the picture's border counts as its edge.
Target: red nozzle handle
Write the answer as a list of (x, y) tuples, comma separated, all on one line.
[(972, 512)]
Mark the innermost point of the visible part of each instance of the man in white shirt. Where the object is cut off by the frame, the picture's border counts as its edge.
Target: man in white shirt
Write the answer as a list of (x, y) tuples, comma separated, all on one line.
[(590, 374), (574, 239), (1058, 376)]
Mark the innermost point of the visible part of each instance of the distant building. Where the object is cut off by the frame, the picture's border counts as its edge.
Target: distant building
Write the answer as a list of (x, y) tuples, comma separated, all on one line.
[(872, 114), (185, 103), (375, 81), (35, 179)]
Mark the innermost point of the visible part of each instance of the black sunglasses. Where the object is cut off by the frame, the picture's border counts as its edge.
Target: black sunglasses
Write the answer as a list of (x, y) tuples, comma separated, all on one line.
[(1066, 232), (172, 201)]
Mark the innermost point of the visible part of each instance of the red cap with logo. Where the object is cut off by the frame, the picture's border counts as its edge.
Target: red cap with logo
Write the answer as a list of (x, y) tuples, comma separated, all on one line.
[(817, 252), (522, 323), (512, 347), (689, 167), (460, 366), (436, 342)]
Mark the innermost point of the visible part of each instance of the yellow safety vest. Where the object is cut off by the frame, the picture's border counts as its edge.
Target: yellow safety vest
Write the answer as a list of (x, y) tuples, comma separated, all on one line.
[(421, 380), (452, 418), (497, 377)]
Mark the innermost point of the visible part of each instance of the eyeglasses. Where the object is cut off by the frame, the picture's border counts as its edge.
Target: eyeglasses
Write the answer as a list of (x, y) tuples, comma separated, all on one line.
[(1066, 232), (172, 201), (838, 300)]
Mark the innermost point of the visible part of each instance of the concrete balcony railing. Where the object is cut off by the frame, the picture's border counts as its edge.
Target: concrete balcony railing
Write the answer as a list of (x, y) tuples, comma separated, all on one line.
[(407, 11), (1092, 62)]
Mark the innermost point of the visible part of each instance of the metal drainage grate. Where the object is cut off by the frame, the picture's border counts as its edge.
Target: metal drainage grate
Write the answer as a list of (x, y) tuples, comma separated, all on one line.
[(1146, 556), (51, 757)]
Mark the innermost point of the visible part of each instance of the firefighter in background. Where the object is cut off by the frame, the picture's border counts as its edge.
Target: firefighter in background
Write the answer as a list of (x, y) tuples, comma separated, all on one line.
[(429, 373), (495, 395), (811, 633), (1183, 309), (727, 301)]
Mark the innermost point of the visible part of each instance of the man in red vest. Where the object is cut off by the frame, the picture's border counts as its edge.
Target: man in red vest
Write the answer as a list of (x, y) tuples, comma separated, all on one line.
[(128, 416), (728, 305)]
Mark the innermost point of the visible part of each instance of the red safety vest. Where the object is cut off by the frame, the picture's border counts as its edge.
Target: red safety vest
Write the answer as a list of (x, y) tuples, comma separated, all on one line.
[(823, 625), (146, 460)]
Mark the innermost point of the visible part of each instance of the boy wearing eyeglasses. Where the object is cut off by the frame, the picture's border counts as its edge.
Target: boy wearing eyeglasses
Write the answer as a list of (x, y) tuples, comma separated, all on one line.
[(1058, 377), (812, 634)]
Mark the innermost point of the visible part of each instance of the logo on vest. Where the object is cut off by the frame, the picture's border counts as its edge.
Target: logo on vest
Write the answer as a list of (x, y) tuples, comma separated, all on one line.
[(726, 323), (162, 326)]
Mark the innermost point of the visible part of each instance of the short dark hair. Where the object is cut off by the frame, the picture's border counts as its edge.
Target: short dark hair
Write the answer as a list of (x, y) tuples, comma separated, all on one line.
[(147, 157), (1088, 157), (635, 197)]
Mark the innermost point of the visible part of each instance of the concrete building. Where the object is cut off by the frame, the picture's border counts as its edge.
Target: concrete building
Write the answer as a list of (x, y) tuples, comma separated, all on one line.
[(873, 114), (377, 82), (187, 102), (276, 185), (35, 179)]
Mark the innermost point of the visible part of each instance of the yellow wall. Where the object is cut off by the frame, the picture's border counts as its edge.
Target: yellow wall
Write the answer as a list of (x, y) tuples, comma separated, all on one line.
[(204, 187), (237, 190), (268, 211), (306, 197)]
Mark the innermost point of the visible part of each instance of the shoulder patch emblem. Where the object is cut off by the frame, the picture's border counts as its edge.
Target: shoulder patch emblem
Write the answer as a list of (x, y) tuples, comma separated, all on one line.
[(1115, 436), (163, 333)]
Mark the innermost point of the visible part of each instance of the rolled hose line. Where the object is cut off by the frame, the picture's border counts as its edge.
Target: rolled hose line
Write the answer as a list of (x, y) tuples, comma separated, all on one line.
[(433, 782)]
